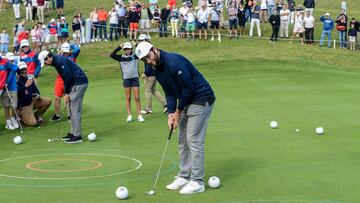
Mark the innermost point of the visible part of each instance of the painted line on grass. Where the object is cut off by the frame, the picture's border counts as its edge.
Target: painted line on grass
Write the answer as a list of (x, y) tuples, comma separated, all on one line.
[(72, 178), (31, 165)]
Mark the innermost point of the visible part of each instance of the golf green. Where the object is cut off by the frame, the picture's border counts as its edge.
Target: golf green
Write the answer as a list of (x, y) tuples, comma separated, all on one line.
[(255, 82)]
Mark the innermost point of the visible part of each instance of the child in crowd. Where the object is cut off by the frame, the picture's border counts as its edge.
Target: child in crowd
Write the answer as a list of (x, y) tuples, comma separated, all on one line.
[(190, 24), (352, 36), (35, 37), (76, 27), (4, 41)]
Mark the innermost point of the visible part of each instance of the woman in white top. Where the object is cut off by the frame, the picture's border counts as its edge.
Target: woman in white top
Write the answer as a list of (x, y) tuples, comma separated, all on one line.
[(309, 23), (263, 11), (298, 27)]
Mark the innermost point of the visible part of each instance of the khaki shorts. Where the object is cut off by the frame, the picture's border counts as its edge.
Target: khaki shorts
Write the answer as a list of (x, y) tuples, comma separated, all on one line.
[(145, 24), (5, 99)]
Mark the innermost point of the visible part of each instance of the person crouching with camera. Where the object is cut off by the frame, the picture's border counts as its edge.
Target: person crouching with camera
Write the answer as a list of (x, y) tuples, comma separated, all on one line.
[(31, 106)]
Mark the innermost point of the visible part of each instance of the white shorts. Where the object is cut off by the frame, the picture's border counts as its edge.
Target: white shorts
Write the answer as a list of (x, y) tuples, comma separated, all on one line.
[(145, 24), (352, 39)]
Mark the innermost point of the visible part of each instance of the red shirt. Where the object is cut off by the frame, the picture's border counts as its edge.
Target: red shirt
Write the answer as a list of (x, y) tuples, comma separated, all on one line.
[(40, 2), (23, 35)]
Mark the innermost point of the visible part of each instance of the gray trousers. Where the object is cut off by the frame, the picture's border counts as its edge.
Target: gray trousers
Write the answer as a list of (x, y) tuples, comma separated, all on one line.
[(192, 128), (76, 99)]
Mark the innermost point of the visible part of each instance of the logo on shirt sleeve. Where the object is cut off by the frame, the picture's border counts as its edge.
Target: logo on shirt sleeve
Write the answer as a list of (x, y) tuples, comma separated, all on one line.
[(179, 72)]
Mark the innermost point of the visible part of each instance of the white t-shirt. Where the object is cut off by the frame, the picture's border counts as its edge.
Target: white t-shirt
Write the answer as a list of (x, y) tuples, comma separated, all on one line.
[(190, 17), (285, 17), (203, 15), (113, 15), (263, 5), (270, 2), (183, 11), (309, 22)]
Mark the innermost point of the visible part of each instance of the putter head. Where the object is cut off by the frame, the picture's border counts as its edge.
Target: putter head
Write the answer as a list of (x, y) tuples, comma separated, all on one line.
[(150, 193)]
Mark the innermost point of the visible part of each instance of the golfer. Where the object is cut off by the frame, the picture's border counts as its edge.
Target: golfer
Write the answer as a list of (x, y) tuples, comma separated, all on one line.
[(190, 101), (75, 83)]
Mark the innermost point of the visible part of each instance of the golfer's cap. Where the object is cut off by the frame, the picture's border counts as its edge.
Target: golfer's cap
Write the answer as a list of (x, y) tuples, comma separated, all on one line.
[(143, 49), (41, 57), (62, 18), (43, 27), (22, 65), (52, 20), (327, 14), (127, 45), (184, 3), (24, 43), (143, 37), (10, 56), (65, 47)]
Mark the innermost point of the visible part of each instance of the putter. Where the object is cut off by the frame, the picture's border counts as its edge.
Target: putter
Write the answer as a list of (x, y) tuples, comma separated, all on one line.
[(59, 127), (152, 192), (16, 114)]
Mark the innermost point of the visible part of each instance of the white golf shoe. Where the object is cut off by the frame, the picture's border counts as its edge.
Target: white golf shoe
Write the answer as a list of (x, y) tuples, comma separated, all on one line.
[(129, 118), (15, 123), (192, 187), (177, 184), (141, 119), (9, 125)]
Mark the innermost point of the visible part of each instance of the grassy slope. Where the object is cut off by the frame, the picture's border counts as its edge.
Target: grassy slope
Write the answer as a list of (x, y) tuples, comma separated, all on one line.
[(255, 82)]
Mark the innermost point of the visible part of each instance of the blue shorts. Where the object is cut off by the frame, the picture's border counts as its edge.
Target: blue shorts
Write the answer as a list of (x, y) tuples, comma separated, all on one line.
[(59, 4), (65, 35), (131, 82), (233, 24), (202, 25)]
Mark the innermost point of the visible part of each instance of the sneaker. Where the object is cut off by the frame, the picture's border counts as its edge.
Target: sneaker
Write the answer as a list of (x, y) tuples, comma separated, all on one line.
[(105, 40), (165, 109), (9, 126), (129, 118), (212, 39), (55, 117), (67, 137), (15, 123), (40, 120), (141, 119), (177, 184), (192, 187), (74, 140), (146, 111)]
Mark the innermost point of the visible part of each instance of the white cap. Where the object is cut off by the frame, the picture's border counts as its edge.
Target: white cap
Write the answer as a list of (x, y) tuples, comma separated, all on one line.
[(143, 37), (43, 27), (24, 43), (143, 49), (127, 45), (62, 18), (10, 56), (65, 47), (52, 20), (22, 65), (327, 14), (41, 57)]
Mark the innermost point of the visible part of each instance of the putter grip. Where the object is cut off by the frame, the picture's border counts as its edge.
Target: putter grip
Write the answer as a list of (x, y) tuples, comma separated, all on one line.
[(171, 131)]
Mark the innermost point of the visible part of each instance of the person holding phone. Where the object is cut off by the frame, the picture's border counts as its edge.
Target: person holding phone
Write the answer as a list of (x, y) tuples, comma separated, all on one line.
[(31, 105)]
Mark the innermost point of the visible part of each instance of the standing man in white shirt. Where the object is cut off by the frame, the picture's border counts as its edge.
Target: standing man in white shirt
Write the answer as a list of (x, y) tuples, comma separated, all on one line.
[(284, 26), (114, 21), (309, 23), (203, 18)]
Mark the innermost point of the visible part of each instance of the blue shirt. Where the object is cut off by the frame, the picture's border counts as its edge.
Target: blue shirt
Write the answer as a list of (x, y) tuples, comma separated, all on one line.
[(183, 84), (11, 81), (69, 71), (328, 23), (256, 15)]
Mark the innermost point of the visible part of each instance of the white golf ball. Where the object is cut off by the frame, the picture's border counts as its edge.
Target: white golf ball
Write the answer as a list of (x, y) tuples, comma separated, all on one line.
[(151, 192), (319, 130), (273, 124), (214, 182), (92, 137), (297, 130), (122, 193), (17, 140), (49, 140)]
